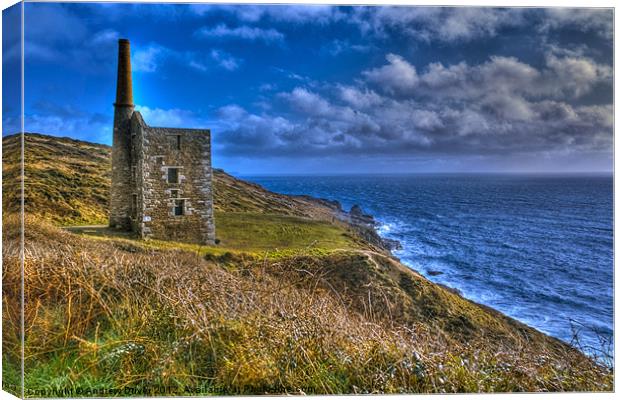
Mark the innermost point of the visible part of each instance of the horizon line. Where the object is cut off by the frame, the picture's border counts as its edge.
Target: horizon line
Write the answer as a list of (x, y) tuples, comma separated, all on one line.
[(336, 174), (343, 174)]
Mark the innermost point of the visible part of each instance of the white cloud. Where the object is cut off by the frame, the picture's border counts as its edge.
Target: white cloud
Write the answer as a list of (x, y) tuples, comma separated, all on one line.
[(225, 60), (243, 32), (337, 47), (561, 76), (426, 120), (105, 36), (320, 14), (69, 122), (242, 132), (576, 75), (266, 87), (147, 59), (582, 19), (505, 73), (359, 98), (462, 24), (232, 112), (307, 102), (197, 65), (35, 51), (437, 23), (172, 118), (150, 58), (438, 76), (299, 14), (599, 114), (397, 76)]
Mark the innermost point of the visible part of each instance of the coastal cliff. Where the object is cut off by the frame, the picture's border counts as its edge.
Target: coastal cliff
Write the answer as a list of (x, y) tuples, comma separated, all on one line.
[(298, 296)]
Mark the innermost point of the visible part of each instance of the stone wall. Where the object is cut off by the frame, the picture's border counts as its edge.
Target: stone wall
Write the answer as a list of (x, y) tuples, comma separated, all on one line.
[(155, 153)]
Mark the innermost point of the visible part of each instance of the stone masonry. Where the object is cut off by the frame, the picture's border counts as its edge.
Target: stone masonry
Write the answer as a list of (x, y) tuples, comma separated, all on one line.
[(161, 177)]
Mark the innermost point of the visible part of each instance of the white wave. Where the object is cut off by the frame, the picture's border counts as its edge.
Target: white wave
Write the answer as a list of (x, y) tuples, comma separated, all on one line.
[(387, 228)]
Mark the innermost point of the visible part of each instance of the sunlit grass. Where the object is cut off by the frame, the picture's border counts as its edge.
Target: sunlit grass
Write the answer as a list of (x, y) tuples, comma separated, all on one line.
[(252, 234)]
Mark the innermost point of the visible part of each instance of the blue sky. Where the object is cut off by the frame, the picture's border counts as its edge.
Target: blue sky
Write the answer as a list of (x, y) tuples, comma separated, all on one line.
[(321, 89)]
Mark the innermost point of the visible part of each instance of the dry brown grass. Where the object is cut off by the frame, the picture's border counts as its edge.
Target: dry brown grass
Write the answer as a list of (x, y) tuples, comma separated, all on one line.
[(107, 314)]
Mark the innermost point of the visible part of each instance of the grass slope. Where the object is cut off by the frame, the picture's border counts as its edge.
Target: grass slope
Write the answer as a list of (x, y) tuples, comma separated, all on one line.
[(290, 301), (65, 181)]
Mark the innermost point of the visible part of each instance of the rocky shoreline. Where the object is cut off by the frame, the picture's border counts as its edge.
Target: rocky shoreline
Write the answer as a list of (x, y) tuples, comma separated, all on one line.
[(365, 224)]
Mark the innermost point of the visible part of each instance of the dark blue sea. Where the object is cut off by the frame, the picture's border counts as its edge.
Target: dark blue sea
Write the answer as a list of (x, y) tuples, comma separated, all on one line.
[(537, 248)]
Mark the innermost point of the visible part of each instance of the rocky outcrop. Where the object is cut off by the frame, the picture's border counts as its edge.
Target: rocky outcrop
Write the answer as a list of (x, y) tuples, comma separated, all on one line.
[(366, 226), (359, 217), (392, 244)]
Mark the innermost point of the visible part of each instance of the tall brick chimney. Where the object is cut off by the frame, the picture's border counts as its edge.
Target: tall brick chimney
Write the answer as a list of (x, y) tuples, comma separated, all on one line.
[(124, 93), (121, 189)]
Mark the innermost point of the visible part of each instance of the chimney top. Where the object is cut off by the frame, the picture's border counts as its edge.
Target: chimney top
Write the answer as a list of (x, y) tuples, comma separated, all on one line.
[(124, 95)]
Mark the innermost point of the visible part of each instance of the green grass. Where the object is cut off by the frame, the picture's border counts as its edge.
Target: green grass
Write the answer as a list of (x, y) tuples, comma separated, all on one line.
[(251, 234), (65, 370), (260, 232), (11, 375), (65, 181)]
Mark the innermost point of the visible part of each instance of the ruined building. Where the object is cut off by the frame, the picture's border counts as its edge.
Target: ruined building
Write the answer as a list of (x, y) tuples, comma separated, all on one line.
[(161, 177)]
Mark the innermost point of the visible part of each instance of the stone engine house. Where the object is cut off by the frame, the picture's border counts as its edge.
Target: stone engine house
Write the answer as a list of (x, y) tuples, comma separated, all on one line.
[(161, 177)]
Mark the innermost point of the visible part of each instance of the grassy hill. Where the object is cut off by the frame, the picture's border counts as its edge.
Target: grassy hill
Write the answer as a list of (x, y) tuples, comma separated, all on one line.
[(292, 300), (66, 181)]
